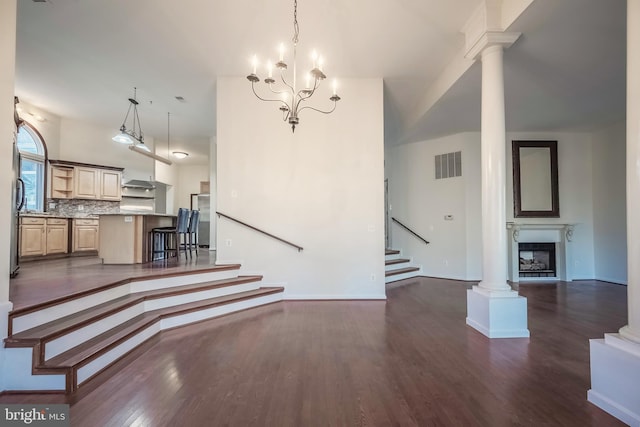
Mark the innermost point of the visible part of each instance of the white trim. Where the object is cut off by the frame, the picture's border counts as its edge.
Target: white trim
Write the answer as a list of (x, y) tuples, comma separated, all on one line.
[(330, 297)]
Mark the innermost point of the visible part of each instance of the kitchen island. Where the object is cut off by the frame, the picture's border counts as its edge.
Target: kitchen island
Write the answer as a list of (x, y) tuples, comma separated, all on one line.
[(124, 237)]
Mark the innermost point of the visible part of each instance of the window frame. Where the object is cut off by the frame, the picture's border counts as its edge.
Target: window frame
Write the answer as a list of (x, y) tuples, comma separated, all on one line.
[(39, 158)]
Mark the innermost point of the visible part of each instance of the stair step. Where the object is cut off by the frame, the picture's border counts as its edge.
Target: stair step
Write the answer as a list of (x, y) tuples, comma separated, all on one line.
[(391, 252), (65, 325), (98, 345), (401, 271), (396, 261)]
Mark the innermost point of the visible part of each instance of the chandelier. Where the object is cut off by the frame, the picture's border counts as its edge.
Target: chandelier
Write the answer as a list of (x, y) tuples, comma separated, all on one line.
[(291, 97), (132, 135)]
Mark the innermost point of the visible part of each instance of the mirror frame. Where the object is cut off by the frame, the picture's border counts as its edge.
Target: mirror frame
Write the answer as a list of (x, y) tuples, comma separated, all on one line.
[(554, 212)]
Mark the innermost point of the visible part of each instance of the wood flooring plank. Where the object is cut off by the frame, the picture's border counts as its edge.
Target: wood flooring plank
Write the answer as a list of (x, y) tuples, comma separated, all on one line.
[(408, 361)]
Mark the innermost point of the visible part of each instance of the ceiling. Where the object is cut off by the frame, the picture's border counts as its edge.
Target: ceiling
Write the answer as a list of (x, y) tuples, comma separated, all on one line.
[(81, 59)]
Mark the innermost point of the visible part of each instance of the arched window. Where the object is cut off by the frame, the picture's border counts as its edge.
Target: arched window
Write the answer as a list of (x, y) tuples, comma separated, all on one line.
[(33, 157)]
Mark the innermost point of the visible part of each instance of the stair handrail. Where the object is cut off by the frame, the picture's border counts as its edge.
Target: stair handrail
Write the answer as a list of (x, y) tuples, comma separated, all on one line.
[(410, 230), (220, 214)]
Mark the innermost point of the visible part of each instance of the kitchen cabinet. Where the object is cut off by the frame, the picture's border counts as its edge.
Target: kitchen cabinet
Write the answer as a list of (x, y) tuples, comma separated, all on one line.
[(32, 236), (85, 234), (87, 182), (61, 182), (84, 181), (57, 236), (110, 185), (43, 236)]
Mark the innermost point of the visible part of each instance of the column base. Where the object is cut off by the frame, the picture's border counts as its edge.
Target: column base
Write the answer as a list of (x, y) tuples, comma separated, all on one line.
[(503, 315), (615, 377)]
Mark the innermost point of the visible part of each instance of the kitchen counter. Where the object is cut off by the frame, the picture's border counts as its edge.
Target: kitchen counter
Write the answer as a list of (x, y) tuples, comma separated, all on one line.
[(50, 215), (124, 237)]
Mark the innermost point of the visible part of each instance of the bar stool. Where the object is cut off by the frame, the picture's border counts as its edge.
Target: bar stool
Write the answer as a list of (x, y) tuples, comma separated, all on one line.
[(165, 240), (192, 233)]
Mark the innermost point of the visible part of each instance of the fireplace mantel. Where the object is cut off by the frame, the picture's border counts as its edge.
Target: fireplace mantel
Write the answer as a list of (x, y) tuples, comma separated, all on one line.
[(515, 228), (529, 232)]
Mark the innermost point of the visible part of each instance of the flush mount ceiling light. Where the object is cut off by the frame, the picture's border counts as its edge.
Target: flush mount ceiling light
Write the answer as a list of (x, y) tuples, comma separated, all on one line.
[(132, 135), (291, 96), (180, 154)]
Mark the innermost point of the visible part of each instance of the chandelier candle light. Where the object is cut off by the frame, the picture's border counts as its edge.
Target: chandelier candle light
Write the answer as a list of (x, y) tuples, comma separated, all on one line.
[(291, 97)]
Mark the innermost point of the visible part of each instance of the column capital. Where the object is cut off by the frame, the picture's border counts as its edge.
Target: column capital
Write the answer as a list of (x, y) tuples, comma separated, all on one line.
[(490, 39)]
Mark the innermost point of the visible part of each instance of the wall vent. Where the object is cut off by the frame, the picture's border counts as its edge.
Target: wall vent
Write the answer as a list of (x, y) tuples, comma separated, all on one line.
[(449, 165)]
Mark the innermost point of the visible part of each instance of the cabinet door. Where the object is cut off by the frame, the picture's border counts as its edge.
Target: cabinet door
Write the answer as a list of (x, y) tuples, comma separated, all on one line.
[(85, 238), (86, 183), (57, 239), (110, 186), (32, 240)]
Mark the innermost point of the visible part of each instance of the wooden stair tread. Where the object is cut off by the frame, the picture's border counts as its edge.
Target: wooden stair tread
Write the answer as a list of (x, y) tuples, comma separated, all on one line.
[(94, 347), (391, 252), (401, 271), (396, 261), (79, 319), (134, 278)]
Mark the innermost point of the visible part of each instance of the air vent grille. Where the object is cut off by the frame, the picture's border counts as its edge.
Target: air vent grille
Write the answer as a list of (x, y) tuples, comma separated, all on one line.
[(448, 165)]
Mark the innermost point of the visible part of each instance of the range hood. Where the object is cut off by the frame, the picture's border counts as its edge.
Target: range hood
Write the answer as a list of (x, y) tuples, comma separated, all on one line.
[(138, 183)]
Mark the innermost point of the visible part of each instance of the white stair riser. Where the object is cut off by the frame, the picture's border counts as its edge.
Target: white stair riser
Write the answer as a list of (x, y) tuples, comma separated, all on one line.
[(172, 322), (185, 279), (40, 317), (155, 304), (390, 257), (397, 266), (91, 368), (46, 315), (79, 336), (87, 371), (20, 376), (395, 277)]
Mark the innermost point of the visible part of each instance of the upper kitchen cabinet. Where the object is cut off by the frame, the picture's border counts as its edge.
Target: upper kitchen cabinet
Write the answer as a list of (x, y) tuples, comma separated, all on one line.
[(85, 181)]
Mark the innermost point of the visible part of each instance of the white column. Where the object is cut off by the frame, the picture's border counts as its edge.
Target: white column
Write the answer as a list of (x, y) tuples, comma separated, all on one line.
[(493, 308), (493, 158), (615, 360), (632, 330), (213, 191), (8, 9)]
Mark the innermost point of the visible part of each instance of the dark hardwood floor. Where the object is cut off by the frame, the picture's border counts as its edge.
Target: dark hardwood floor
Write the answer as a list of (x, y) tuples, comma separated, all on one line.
[(41, 281), (409, 361)]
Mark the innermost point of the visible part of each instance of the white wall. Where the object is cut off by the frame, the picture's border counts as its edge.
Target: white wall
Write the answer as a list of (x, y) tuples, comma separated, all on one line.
[(213, 184), (49, 129), (7, 129), (189, 177), (609, 204), (455, 249), (421, 202), (88, 143), (575, 182), (321, 188)]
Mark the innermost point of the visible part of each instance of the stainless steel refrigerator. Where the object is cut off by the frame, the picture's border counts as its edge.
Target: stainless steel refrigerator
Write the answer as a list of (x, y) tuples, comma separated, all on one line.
[(204, 225), (18, 201)]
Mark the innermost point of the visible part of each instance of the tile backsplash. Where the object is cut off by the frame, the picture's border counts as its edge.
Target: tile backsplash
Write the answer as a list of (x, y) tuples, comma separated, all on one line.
[(74, 207)]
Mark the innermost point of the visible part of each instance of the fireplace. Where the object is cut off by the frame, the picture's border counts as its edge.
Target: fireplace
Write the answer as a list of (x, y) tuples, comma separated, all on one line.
[(537, 259)]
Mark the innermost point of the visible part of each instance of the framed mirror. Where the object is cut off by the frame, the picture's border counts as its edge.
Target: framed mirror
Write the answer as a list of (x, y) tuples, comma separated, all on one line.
[(535, 179)]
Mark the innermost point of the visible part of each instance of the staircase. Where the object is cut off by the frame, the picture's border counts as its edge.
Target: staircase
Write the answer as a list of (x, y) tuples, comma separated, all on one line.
[(62, 344), (398, 268)]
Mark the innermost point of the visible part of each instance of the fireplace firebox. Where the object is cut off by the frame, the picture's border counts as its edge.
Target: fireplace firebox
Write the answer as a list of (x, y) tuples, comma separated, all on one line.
[(537, 259)]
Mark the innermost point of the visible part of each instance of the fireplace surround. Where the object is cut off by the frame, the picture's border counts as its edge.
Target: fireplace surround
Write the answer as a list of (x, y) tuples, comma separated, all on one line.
[(547, 251)]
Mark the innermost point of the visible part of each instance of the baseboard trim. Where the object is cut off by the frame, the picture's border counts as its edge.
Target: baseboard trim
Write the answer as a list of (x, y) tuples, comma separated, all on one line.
[(373, 297)]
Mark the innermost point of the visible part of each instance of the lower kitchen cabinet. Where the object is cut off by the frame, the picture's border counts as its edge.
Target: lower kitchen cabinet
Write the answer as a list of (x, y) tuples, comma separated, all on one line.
[(33, 240), (57, 236), (85, 234), (43, 236)]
